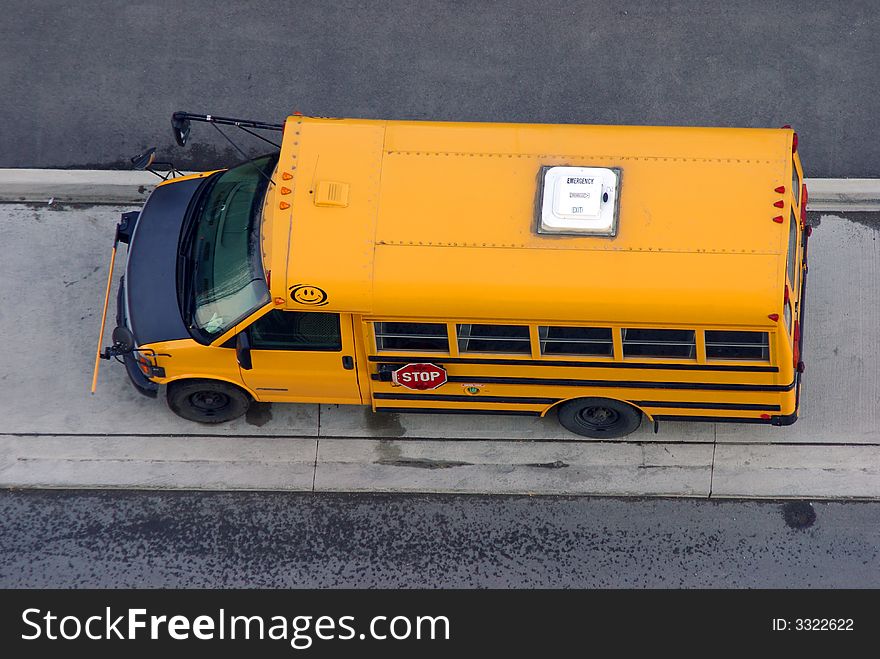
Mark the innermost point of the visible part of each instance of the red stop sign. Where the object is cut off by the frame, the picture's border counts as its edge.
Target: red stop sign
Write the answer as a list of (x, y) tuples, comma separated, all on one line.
[(419, 376)]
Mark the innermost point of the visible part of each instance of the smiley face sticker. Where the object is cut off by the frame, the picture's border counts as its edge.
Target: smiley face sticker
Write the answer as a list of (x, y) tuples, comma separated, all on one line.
[(309, 295)]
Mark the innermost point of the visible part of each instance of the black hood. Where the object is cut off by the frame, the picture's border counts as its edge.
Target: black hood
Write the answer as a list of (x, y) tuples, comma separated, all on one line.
[(151, 274)]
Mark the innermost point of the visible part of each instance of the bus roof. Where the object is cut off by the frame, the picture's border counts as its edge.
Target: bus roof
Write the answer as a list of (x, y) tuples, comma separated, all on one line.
[(428, 219)]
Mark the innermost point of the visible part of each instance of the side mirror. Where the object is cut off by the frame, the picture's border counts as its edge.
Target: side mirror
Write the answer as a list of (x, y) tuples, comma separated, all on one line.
[(243, 351), (180, 126), (123, 341), (144, 160)]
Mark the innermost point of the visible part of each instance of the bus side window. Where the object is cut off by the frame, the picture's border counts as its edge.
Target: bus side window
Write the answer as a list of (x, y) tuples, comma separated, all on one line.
[(591, 341), (411, 336), (494, 338), (296, 330), (659, 343), (737, 345)]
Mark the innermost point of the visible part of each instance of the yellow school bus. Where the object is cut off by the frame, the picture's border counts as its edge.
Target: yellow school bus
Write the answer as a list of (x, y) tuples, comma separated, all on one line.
[(600, 273)]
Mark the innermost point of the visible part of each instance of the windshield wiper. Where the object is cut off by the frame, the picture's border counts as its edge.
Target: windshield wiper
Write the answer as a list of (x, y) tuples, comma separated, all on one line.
[(185, 288), (186, 263), (186, 267)]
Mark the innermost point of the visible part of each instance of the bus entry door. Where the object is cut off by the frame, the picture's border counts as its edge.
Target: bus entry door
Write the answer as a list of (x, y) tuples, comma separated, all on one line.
[(302, 356)]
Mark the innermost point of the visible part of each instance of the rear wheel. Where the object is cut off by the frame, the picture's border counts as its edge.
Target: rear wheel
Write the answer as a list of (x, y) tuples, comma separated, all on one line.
[(600, 418), (207, 401)]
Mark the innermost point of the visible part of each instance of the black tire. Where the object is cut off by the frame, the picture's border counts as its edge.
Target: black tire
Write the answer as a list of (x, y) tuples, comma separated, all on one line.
[(207, 401), (599, 418)]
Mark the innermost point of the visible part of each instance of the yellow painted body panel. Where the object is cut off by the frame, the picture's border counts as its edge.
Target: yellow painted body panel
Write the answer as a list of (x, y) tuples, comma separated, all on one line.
[(300, 376), (276, 376), (330, 247), (443, 215), (435, 222), (187, 359)]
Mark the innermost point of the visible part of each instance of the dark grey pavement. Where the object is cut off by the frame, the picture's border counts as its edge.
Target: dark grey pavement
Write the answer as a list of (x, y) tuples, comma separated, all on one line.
[(118, 539), (90, 84)]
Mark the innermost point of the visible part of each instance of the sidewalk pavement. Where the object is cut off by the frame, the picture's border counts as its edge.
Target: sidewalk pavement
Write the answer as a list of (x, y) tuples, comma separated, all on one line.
[(74, 186)]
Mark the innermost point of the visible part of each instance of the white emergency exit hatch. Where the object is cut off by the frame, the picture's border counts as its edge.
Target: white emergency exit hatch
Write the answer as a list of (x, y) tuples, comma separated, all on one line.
[(579, 200)]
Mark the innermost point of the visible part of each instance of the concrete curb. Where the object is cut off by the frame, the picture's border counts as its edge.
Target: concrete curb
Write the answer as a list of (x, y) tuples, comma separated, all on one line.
[(75, 186), (313, 464), (92, 186), (839, 194)]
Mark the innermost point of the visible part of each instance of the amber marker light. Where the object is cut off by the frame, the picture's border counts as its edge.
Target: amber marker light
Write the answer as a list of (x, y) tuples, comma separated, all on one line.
[(284, 205), (143, 364)]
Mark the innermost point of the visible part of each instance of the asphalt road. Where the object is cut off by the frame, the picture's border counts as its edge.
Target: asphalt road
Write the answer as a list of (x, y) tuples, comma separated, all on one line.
[(91, 84), (162, 539)]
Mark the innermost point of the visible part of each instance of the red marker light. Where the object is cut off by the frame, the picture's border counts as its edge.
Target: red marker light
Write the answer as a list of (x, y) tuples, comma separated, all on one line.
[(778, 219), (774, 317), (765, 416), (804, 198), (779, 204), (780, 189)]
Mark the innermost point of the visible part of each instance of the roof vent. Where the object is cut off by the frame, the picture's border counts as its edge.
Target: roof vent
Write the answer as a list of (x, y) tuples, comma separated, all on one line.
[(331, 193), (579, 201)]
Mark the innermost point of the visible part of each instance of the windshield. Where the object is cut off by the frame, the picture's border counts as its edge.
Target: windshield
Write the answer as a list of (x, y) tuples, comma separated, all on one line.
[(227, 281)]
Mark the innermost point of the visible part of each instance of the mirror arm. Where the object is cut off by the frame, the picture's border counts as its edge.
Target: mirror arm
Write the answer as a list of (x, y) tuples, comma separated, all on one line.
[(226, 121), (180, 125), (153, 171)]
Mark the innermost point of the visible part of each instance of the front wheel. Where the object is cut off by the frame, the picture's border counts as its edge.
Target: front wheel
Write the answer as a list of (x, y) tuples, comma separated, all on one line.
[(599, 418), (207, 401)]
